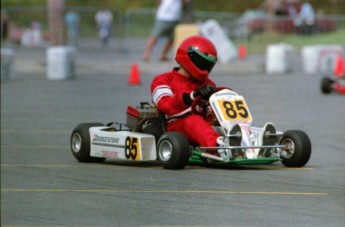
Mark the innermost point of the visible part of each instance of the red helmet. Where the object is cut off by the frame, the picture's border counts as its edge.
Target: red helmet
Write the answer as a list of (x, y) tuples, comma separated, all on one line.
[(197, 55)]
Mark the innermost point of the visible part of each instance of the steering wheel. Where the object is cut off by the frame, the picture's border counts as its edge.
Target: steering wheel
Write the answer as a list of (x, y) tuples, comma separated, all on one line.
[(203, 107)]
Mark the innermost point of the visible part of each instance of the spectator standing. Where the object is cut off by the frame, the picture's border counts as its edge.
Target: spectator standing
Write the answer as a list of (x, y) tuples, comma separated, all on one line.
[(32, 36), (72, 19), (168, 15), (292, 8), (104, 20), (305, 19), (4, 26)]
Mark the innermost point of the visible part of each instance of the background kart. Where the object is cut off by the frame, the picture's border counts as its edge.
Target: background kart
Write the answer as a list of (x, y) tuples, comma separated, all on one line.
[(331, 84), (143, 138), (336, 81)]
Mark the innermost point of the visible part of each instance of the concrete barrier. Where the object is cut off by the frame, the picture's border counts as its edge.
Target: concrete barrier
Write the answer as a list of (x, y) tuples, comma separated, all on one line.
[(7, 64), (226, 49), (60, 63), (278, 58), (183, 31), (314, 57)]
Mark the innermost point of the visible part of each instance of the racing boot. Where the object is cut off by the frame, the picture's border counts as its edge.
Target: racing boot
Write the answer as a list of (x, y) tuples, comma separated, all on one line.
[(223, 142), (235, 140), (267, 137)]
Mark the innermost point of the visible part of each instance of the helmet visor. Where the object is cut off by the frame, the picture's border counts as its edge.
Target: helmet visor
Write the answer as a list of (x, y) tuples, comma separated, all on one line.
[(200, 60)]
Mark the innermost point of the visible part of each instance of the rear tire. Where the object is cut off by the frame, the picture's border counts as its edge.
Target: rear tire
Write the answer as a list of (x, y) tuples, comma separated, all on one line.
[(326, 85), (155, 130), (299, 148), (80, 143), (173, 150)]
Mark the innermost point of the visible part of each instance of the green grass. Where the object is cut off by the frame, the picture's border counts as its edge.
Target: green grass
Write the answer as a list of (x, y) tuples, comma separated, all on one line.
[(258, 43)]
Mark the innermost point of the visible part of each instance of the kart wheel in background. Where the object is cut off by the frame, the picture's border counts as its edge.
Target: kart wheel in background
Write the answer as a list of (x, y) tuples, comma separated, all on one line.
[(80, 143), (155, 130), (326, 85), (173, 150), (299, 148)]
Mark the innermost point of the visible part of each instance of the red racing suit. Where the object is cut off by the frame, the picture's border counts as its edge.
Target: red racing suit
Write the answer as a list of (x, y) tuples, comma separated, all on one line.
[(167, 92)]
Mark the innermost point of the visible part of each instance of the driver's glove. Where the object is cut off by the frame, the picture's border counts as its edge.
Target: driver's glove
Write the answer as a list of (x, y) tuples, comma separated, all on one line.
[(204, 91)]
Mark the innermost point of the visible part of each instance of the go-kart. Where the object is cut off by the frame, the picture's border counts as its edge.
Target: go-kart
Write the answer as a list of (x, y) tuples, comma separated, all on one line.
[(331, 84), (143, 138)]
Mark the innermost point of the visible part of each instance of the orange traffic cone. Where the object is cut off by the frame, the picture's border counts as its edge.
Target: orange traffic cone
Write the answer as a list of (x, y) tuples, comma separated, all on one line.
[(242, 51), (134, 77), (339, 69)]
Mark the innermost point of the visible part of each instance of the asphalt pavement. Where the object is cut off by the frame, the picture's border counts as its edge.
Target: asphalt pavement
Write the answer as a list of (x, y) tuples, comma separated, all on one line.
[(42, 184)]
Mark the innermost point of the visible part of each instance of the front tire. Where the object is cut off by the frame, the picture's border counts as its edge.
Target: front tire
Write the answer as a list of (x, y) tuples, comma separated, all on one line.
[(299, 148), (80, 143), (173, 150)]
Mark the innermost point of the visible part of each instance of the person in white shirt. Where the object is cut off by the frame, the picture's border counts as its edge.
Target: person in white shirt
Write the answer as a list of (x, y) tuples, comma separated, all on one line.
[(104, 19), (168, 15), (305, 20)]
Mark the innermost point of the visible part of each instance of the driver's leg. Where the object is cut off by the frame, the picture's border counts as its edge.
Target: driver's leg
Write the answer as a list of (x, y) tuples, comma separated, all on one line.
[(196, 130)]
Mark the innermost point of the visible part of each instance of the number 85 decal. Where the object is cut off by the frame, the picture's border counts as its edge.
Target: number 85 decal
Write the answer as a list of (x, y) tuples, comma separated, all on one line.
[(132, 148), (234, 110)]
